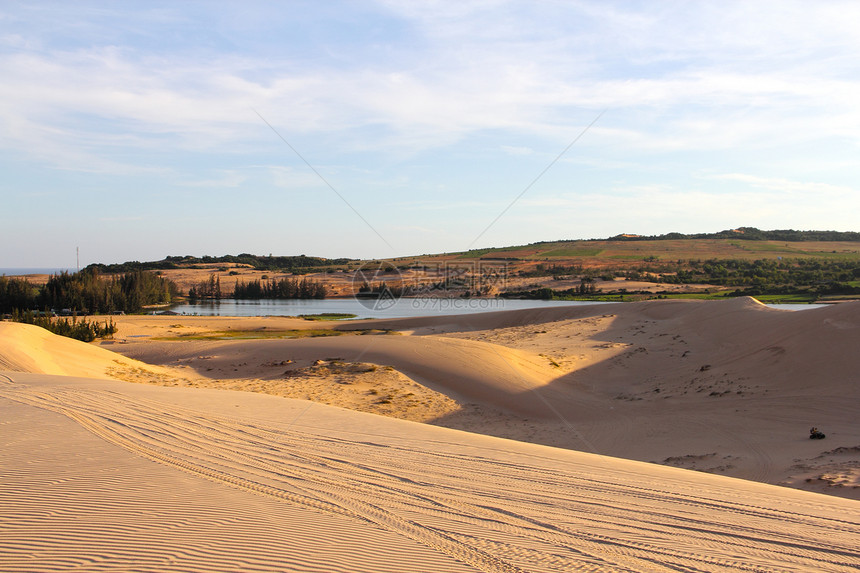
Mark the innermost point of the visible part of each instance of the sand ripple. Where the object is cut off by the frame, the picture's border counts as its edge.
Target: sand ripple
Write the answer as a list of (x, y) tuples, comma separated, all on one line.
[(527, 508)]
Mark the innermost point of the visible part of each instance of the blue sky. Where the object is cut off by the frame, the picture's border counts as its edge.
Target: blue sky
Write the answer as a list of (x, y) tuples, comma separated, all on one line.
[(131, 129)]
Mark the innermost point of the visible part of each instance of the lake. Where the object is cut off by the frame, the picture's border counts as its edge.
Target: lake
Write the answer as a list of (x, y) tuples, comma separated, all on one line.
[(372, 308), (365, 308)]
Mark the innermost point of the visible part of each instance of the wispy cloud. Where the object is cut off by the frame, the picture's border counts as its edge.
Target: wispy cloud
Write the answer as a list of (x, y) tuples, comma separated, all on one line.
[(479, 67), (434, 114), (809, 188)]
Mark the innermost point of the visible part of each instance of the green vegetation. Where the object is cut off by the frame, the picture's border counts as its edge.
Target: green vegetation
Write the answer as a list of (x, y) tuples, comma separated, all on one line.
[(253, 335), (477, 253), (257, 289), (762, 247), (786, 280), (768, 276), (279, 289), (569, 294), (383, 289), (329, 316), (87, 292), (17, 294), (542, 270), (77, 329), (719, 295), (210, 289), (571, 252), (751, 234)]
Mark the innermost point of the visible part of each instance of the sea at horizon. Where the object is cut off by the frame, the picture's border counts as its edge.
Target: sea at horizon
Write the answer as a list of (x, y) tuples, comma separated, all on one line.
[(16, 271)]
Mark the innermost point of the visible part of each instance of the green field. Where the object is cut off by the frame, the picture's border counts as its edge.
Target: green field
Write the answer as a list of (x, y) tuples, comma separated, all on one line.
[(252, 335), (571, 252), (609, 252)]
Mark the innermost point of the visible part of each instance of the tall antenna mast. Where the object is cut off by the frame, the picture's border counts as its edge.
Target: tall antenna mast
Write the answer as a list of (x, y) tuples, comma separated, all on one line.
[(78, 257)]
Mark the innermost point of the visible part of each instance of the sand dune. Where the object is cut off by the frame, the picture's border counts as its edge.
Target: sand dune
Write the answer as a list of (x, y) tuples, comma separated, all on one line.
[(251, 482), (465, 370), (102, 475), (725, 387), (28, 348)]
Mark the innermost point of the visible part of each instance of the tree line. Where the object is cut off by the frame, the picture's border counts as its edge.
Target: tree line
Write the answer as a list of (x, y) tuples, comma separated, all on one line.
[(87, 292), (210, 289), (279, 288), (750, 234), (831, 274), (297, 264), (286, 288)]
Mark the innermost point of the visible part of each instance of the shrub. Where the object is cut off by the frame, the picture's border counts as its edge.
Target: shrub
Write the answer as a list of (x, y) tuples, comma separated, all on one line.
[(77, 329)]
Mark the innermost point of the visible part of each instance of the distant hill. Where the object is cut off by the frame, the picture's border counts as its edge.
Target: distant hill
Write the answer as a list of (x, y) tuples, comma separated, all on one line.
[(259, 262), (750, 234), (746, 243)]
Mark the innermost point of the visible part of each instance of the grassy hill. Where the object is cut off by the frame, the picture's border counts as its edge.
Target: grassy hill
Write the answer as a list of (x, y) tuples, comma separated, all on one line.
[(783, 265)]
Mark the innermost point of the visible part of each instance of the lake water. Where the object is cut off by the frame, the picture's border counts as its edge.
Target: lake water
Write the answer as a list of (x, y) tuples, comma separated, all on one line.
[(404, 307), (364, 308)]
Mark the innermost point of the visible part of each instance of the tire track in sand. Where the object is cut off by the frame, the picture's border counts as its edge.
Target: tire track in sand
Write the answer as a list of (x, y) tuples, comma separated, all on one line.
[(494, 515)]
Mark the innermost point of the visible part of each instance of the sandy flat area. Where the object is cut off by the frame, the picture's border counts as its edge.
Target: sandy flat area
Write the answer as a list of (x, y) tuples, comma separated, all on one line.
[(182, 472)]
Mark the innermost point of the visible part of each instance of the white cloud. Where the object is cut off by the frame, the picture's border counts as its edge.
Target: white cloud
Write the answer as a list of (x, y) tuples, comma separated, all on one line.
[(762, 93), (482, 66), (807, 188), (228, 178)]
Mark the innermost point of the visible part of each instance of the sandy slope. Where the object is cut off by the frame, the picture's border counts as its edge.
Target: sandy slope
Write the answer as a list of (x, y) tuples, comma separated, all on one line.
[(724, 387), (102, 475), (28, 348)]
